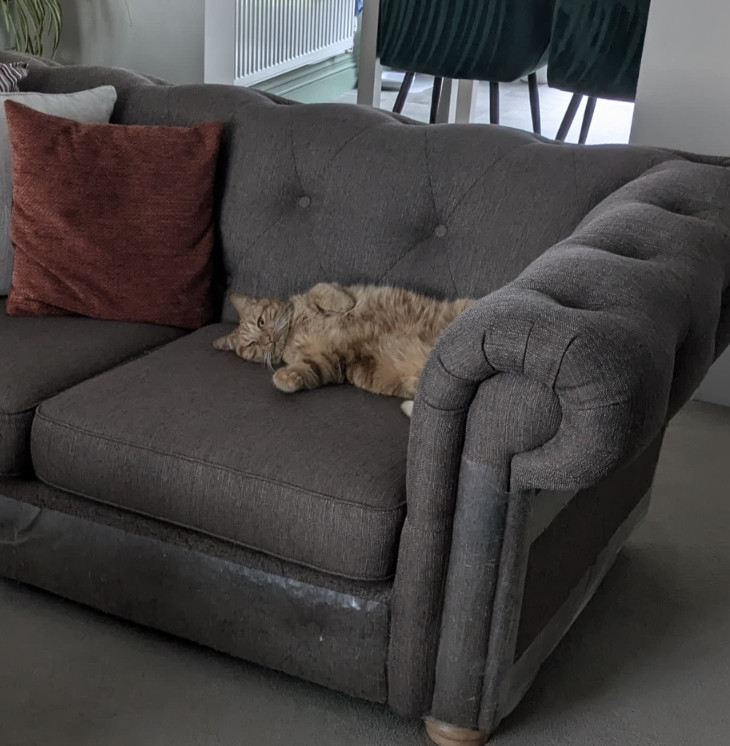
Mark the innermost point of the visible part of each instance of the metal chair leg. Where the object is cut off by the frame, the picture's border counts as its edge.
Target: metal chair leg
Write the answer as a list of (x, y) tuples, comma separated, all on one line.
[(587, 119), (405, 87), (534, 102), (493, 102), (570, 113), (435, 98)]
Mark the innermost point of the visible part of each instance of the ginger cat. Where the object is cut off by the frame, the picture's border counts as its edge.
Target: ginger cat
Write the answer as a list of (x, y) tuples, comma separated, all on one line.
[(377, 338)]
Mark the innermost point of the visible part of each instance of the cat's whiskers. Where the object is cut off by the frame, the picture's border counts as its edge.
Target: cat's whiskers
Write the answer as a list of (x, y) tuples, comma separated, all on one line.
[(281, 323), (279, 334)]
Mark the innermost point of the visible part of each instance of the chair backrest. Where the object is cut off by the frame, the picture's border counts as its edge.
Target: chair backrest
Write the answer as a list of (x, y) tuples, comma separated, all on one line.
[(496, 40), (596, 47)]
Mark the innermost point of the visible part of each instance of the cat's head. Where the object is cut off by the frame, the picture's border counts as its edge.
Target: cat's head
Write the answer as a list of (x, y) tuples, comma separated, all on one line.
[(262, 332)]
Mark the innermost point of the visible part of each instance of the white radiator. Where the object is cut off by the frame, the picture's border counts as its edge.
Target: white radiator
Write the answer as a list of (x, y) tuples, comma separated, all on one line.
[(271, 37)]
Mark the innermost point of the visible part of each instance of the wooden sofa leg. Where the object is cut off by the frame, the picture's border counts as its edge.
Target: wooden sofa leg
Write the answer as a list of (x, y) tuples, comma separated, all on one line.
[(443, 734)]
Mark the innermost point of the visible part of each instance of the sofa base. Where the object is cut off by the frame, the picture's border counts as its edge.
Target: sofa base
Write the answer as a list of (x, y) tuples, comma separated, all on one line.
[(327, 636)]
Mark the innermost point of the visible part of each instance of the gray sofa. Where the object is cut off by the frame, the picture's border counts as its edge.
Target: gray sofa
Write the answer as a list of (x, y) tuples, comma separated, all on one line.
[(430, 565)]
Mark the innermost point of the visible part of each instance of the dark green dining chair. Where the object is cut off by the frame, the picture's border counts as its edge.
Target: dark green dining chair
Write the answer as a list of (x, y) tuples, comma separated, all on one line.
[(492, 40), (595, 51)]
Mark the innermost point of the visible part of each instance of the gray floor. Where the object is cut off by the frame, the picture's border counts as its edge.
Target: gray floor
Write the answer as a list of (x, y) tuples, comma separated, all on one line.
[(647, 663), (611, 121)]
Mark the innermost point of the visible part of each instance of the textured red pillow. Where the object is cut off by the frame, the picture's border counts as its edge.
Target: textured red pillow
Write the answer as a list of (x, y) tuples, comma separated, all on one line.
[(110, 221)]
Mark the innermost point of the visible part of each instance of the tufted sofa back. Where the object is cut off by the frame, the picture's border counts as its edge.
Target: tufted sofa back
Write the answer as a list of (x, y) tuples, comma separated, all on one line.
[(350, 194), (354, 195)]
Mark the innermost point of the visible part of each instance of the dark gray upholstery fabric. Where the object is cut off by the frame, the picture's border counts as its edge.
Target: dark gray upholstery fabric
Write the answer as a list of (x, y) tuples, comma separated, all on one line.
[(425, 544), (479, 542), (34, 492), (488, 538), (617, 325), (34, 63), (48, 76), (555, 565), (334, 638), (722, 338), (446, 211), (200, 438), (620, 320), (41, 357)]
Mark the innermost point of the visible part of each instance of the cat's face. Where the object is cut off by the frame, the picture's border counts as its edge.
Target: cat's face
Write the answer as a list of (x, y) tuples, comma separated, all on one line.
[(261, 334)]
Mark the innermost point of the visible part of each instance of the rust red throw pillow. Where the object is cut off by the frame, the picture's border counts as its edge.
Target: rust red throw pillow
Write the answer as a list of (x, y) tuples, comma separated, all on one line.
[(110, 221)]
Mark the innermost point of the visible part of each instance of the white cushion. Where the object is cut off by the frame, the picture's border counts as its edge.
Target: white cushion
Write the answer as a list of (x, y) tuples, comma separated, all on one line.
[(95, 105)]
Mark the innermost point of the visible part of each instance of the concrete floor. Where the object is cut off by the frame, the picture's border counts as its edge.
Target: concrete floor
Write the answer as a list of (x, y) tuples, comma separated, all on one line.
[(648, 663), (611, 121)]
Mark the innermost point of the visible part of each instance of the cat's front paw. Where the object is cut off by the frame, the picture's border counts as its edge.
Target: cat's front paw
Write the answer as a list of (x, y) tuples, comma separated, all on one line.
[(288, 380)]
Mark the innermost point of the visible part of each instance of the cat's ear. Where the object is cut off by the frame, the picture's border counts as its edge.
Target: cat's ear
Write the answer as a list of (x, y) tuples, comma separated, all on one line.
[(224, 343), (241, 303)]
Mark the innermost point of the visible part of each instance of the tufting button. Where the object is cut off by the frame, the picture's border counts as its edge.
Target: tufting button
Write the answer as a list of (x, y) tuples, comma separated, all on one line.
[(440, 231), (305, 201)]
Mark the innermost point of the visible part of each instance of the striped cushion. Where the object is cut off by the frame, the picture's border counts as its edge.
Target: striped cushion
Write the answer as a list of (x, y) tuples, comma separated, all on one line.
[(11, 74)]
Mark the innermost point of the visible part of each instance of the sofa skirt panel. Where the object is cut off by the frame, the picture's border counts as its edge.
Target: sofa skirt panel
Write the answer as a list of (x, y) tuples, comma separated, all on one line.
[(333, 636)]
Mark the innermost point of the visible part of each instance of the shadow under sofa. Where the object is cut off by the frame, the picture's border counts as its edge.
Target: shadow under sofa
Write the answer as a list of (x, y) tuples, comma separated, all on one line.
[(430, 565)]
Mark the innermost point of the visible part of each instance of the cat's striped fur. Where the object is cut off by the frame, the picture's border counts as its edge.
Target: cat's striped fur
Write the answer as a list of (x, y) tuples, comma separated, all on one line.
[(377, 338)]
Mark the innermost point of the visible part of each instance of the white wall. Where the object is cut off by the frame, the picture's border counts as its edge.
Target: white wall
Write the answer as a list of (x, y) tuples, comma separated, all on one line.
[(159, 37), (683, 101)]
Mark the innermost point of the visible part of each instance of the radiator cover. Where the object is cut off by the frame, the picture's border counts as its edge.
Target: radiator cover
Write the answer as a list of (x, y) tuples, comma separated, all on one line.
[(276, 36)]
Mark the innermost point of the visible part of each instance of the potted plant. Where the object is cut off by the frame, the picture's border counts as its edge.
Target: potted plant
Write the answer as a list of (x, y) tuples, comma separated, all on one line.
[(31, 24)]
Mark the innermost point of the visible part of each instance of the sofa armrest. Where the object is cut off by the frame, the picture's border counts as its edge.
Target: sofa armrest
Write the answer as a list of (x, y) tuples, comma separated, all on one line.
[(619, 322), (552, 383)]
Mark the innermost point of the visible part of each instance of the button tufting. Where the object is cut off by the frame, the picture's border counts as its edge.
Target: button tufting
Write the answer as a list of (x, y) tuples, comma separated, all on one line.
[(440, 231), (305, 201)]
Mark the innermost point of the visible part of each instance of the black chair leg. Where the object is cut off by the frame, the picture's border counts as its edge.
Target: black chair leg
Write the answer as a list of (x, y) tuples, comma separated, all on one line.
[(435, 98), (570, 113), (493, 102), (405, 87), (587, 119), (534, 102)]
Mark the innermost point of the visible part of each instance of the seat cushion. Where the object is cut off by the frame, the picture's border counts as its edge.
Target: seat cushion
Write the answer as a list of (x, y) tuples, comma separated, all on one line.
[(199, 438), (41, 357)]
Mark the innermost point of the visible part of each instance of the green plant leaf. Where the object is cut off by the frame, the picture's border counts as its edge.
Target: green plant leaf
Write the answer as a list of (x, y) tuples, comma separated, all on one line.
[(33, 23)]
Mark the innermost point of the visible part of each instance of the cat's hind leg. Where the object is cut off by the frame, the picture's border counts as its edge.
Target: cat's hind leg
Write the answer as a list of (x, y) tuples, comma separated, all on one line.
[(391, 366)]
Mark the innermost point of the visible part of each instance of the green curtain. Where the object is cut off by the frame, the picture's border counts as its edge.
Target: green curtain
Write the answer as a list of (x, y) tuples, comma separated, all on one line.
[(496, 40)]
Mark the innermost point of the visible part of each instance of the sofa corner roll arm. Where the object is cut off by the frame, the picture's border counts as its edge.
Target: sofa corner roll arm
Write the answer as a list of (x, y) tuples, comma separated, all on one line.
[(552, 383), (617, 324)]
